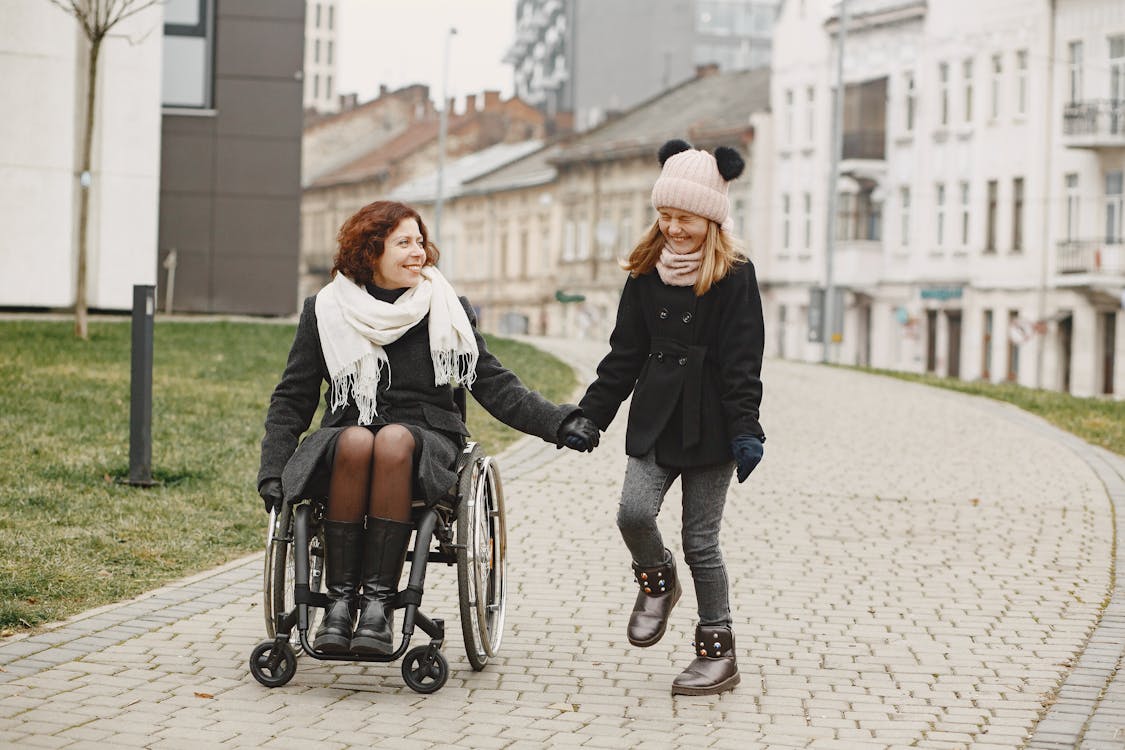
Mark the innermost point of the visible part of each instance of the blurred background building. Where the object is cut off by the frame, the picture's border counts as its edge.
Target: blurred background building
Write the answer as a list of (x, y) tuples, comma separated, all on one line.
[(321, 40), (591, 59)]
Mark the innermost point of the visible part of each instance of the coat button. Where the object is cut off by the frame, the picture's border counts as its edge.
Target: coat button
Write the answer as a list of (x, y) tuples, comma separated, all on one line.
[(660, 356), (663, 313), (686, 317), (683, 361)]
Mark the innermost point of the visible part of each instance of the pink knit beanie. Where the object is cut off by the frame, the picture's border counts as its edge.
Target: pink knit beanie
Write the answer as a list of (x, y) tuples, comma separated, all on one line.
[(695, 181)]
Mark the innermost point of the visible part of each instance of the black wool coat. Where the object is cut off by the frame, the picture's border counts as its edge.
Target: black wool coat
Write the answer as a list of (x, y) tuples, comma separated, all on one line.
[(693, 365), (408, 397)]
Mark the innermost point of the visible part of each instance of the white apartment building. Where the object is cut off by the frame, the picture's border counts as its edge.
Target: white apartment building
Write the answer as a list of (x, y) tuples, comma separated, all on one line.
[(321, 24), (43, 69), (978, 218)]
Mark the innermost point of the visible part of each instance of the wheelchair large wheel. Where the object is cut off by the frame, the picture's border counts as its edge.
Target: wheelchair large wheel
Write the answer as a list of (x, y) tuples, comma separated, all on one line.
[(278, 578), (482, 547)]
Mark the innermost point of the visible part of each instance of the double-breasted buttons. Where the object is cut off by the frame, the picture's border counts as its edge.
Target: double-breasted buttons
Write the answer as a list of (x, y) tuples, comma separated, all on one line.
[(683, 361), (686, 317), (659, 356), (663, 314)]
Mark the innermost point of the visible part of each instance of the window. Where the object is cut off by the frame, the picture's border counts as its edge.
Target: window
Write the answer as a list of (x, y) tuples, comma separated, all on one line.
[(943, 93), (1013, 349), (810, 114), (939, 221), (964, 214), (328, 87), (331, 19), (570, 240), (808, 221), (316, 86), (316, 51), (1017, 214), (1114, 206), (1117, 70), (789, 115), (986, 347), (318, 15), (1072, 207), (1021, 82), (909, 101), (188, 38), (904, 200), (967, 79), (1074, 68), (858, 215), (990, 234), (785, 221), (329, 60), (997, 77)]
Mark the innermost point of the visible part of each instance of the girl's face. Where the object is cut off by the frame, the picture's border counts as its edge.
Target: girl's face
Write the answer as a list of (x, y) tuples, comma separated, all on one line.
[(684, 231), (404, 255)]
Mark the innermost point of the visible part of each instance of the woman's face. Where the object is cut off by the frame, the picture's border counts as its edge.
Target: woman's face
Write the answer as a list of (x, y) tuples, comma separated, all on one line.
[(404, 255), (684, 231)]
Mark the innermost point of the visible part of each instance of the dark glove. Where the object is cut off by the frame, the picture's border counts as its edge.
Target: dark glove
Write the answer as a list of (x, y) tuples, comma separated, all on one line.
[(578, 433), (748, 451), (271, 494)]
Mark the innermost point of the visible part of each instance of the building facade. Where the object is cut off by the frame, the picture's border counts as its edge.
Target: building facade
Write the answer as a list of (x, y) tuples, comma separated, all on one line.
[(321, 38), (230, 172), (958, 249), (43, 55), (564, 48)]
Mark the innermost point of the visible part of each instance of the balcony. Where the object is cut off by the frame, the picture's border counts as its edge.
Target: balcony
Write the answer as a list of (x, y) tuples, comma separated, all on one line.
[(1093, 263), (1098, 123), (857, 264)]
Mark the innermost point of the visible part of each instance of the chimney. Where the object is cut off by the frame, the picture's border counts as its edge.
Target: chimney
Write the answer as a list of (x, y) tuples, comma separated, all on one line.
[(470, 103), (707, 69), (382, 90), (491, 100)]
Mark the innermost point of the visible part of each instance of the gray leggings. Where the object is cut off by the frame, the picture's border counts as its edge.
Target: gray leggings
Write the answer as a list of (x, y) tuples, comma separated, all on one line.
[(704, 495)]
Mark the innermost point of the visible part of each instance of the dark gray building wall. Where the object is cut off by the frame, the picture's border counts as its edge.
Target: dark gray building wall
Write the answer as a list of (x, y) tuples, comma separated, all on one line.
[(230, 187)]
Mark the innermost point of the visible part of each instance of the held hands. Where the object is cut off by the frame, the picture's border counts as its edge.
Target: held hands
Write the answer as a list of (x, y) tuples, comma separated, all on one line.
[(578, 433), (748, 451), (271, 494)]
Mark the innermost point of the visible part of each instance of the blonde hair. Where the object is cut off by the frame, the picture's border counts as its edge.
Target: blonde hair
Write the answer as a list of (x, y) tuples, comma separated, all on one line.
[(721, 253)]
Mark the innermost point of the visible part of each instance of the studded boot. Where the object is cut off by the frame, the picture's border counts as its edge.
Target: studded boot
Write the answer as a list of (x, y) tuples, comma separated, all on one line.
[(384, 551), (343, 545), (660, 590), (714, 669)]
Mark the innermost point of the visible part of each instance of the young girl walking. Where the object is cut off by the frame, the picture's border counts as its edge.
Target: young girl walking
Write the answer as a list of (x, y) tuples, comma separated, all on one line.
[(688, 345)]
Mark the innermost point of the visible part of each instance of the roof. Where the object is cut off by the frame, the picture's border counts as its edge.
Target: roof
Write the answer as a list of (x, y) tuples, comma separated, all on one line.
[(376, 162), (424, 188), (706, 108), (533, 169)]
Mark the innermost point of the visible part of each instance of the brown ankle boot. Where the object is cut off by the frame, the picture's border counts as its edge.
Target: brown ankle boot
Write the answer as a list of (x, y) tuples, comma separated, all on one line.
[(714, 669), (660, 590)]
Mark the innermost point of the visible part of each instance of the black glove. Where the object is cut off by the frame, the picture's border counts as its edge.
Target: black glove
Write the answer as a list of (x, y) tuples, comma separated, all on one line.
[(578, 433), (271, 494), (748, 451)]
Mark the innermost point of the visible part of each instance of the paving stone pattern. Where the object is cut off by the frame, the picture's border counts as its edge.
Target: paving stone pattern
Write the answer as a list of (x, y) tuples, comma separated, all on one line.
[(910, 567)]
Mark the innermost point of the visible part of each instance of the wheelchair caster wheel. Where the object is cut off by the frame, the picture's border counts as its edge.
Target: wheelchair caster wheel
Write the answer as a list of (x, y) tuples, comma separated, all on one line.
[(273, 665), (423, 675)]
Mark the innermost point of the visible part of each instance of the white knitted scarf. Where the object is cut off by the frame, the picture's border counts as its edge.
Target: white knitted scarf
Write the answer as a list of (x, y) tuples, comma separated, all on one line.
[(354, 327)]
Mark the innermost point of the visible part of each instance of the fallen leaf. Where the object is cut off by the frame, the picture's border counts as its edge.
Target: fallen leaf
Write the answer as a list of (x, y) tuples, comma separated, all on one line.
[(204, 695), (975, 502)]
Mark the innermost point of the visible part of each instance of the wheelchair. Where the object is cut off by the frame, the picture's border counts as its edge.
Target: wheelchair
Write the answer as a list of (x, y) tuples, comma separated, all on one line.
[(465, 529)]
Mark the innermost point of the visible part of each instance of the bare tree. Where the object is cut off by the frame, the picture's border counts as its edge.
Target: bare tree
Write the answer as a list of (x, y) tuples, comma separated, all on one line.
[(97, 18)]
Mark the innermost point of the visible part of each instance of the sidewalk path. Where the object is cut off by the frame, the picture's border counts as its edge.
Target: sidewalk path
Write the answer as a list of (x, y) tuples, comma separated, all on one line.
[(910, 567)]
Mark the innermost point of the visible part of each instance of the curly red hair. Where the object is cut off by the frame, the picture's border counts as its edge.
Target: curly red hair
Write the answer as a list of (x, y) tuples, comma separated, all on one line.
[(362, 236)]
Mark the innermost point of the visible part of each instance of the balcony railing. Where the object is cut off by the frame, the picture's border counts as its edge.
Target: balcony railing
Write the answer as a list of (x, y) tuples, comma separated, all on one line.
[(1095, 257), (1093, 124)]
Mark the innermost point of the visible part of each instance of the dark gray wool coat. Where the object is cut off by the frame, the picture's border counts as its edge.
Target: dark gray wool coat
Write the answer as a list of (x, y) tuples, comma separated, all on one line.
[(693, 365), (408, 397)]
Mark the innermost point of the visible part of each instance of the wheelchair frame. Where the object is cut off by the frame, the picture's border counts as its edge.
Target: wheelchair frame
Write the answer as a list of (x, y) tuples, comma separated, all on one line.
[(470, 530)]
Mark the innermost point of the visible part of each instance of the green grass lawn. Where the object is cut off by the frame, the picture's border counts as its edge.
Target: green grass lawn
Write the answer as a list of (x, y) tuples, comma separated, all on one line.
[(1098, 421), (73, 536)]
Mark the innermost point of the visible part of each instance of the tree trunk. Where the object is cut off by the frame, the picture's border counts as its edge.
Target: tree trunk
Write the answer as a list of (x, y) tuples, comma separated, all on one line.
[(85, 187)]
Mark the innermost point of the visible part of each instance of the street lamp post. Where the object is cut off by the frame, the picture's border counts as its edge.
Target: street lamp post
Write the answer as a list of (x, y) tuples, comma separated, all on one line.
[(443, 125), (828, 311)]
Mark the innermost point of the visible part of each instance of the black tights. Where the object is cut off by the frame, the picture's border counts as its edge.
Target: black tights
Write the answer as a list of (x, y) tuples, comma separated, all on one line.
[(372, 474)]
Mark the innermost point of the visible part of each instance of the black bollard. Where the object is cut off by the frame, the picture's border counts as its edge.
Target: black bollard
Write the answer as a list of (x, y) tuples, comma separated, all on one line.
[(140, 402)]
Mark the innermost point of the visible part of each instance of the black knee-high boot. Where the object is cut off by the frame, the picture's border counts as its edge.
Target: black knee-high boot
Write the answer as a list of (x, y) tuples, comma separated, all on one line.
[(384, 550), (343, 548)]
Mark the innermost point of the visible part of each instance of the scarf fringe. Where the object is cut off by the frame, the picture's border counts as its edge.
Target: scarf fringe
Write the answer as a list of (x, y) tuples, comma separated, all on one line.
[(360, 379), (455, 368)]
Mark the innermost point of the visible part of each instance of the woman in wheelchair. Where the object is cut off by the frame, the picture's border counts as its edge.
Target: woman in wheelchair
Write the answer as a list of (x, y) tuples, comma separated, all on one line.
[(389, 340)]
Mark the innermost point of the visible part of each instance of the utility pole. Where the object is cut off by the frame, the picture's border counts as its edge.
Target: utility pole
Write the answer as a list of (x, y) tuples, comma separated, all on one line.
[(443, 125), (828, 313)]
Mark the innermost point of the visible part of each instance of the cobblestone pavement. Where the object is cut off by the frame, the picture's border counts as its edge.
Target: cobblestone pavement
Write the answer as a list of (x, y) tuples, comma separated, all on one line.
[(910, 567)]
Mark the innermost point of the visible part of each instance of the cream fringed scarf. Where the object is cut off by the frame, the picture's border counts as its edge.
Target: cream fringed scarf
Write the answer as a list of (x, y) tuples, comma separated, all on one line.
[(354, 327)]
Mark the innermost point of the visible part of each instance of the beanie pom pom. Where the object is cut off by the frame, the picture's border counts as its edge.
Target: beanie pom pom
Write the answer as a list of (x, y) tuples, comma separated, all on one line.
[(729, 162), (671, 148)]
